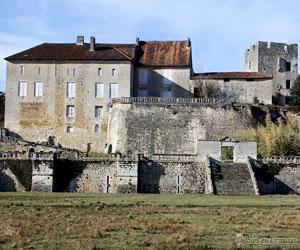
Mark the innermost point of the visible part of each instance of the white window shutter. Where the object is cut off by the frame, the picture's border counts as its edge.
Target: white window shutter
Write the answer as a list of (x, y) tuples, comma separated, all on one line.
[(113, 90)]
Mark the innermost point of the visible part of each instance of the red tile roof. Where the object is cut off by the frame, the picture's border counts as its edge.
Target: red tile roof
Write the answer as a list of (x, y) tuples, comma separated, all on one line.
[(164, 53), (232, 75), (150, 53)]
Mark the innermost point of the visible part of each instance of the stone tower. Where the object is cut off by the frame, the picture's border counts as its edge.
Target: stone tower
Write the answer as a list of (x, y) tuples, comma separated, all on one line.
[(278, 60)]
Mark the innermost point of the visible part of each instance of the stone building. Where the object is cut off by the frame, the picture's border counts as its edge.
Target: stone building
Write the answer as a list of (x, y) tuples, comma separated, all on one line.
[(74, 92), (64, 90), (240, 87), (278, 60)]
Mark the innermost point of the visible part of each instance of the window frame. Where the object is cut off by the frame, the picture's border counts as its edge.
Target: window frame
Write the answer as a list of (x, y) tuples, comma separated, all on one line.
[(70, 111), (38, 89), (22, 90), (71, 92)]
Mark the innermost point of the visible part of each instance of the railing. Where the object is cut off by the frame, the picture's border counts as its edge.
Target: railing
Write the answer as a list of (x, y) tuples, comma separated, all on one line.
[(173, 157), (280, 159), (181, 100)]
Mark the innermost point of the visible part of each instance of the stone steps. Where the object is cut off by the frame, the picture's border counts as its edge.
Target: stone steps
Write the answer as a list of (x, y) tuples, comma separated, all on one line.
[(231, 179)]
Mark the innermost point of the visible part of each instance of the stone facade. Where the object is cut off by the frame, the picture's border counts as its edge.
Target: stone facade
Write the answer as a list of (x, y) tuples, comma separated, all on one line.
[(278, 60), (236, 90)]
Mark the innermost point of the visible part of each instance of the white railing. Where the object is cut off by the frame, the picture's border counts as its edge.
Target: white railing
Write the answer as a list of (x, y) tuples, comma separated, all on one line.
[(280, 159), (173, 157), (181, 100)]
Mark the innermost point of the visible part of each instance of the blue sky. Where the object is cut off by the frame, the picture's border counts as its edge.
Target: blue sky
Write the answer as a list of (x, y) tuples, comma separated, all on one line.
[(220, 30)]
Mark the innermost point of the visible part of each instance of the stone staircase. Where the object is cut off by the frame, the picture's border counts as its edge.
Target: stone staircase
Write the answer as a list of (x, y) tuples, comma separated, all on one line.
[(231, 179)]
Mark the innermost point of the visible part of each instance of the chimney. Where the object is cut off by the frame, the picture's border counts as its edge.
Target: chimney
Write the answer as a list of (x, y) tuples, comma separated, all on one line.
[(80, 40), (188, 42), (137, 41), (92, 44)]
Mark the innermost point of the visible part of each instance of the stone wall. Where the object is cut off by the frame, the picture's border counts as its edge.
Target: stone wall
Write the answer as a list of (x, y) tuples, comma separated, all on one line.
[(171, 177), (272, 59), (285, 179), (173, 129), (236, 90), (35, 118)]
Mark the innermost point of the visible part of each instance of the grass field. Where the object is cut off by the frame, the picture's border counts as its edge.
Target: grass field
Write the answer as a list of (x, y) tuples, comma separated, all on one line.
[(139, 221)]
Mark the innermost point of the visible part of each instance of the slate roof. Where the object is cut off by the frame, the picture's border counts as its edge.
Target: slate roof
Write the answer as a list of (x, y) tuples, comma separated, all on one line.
[(231, 75), (150, 53)]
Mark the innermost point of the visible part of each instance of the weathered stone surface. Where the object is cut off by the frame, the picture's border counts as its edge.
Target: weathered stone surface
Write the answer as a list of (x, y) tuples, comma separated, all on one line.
[(163, 177), (149, 129), (231, 179), (9, 182)]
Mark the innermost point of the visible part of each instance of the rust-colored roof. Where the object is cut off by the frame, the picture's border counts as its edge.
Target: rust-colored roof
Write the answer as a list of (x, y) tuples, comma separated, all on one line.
[(164, 53), (150, 53), (71, 51), (232, 75)]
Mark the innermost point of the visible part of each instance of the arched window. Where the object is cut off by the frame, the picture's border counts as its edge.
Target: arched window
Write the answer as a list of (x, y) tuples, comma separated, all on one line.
[(97, 129)]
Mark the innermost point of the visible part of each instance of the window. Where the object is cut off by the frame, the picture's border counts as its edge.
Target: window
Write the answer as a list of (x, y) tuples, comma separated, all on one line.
[(22, 69), (226, 80), (288, 66), (98, 111), (70, 129), (143, 73), (167, 91), (113, 72), (39, 71), (38, 89), (97, 129), (168, 73), (99, 72), (288, 84), (113, 90), (67, 72), (22, 88), (99, 90), (74, 72), (70, 111), (71, 89), (249, 64), (143, 92)]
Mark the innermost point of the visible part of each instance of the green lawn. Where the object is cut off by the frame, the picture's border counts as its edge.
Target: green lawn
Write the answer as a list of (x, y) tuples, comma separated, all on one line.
[(138, 221)]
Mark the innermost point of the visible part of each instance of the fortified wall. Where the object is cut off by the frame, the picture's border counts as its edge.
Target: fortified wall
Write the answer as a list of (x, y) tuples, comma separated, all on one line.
[(173, 128)]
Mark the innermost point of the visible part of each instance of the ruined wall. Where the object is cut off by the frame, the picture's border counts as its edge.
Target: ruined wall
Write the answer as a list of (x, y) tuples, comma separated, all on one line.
[(272, 59), (171, 177), (236, 90), (97, 177), (164, 128), (15, 175), (36, 118)]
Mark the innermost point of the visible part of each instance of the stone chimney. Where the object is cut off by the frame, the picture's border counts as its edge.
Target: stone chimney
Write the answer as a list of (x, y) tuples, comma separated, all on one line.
[(92, 44), (80, 40), (188, 42), (137, 41)]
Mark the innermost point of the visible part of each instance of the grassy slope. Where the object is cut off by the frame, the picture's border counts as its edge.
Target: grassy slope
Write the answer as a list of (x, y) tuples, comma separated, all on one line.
[(118, 221)]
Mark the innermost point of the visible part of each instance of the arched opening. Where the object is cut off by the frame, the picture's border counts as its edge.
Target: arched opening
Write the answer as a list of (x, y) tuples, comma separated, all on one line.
[(30, 152), (96, 129), (109, 149)]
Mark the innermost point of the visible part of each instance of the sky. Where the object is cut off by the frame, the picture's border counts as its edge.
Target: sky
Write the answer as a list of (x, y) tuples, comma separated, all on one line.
[(220, 30)]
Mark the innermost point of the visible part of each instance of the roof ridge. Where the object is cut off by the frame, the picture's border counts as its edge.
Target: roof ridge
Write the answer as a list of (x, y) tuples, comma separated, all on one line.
[(124, 54)]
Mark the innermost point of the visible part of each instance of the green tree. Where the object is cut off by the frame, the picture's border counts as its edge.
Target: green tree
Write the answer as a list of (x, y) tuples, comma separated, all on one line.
[(295, 92)]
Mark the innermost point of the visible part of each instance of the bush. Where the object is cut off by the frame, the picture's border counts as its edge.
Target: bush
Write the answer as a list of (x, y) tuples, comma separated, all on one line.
[(281, 138), (295, 92)]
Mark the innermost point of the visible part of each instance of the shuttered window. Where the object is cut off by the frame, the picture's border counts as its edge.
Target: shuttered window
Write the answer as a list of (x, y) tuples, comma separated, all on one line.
[(113, 90), (38, 89), (22, 88), (99, 90), (71, 89)]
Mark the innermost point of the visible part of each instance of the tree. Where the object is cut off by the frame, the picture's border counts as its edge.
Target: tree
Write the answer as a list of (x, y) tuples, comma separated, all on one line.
[(295, 92)]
